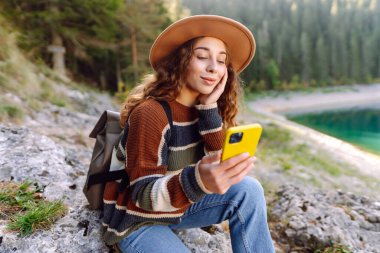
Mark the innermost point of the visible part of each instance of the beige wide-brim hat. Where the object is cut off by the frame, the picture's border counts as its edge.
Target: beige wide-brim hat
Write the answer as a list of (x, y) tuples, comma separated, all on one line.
[(238, 38)]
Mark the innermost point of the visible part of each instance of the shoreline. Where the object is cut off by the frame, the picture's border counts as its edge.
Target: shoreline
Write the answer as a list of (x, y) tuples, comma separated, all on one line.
[(298, 102), (301, 102)]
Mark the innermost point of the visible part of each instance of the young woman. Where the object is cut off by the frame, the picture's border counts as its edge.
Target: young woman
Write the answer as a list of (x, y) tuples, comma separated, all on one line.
[(181, 183)]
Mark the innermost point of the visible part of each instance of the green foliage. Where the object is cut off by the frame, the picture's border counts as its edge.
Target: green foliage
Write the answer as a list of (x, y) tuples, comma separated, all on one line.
[(279, 145), (21, 197), (273, 74), (141, 21), (321, 42), (322, 70), (306, 57), (25, 207), (10, 111), (41, 216), (58, 101), (334, 249), (49, 94), (96, 34)]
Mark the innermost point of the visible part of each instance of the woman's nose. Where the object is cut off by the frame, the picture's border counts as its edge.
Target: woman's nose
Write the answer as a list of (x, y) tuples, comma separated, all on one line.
[(211, 67)]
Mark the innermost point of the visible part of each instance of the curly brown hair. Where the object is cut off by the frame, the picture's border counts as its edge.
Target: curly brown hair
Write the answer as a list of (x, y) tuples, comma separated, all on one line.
[(167, 83)]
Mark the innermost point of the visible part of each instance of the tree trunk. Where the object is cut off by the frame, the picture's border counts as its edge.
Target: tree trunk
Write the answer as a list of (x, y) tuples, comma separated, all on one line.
[(134, 53)]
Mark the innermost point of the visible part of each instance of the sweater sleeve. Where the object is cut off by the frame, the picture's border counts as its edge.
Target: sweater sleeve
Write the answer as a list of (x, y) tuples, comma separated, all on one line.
[(210, 127), (147, 162)]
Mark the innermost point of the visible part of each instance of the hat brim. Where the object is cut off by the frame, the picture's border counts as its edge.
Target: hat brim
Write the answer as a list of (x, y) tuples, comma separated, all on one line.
[(238, 38)]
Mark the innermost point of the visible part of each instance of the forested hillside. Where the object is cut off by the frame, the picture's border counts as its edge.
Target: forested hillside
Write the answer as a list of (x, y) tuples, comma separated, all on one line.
[(106, 43), (314, 42), (103, 43)]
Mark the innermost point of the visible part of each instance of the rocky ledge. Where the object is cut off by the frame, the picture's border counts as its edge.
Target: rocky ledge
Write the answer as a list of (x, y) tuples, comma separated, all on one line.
[(25, 154), (52, 148), (311, 219)]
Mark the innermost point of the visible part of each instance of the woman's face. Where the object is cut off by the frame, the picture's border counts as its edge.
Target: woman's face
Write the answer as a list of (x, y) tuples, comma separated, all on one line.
[(207, 66)]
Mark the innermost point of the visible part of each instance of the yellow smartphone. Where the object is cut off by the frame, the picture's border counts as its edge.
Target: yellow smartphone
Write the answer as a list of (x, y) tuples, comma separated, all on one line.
[(241, 139)]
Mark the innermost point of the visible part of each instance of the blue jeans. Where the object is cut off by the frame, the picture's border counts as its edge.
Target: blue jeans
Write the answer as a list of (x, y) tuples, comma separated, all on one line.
[(243, 205)]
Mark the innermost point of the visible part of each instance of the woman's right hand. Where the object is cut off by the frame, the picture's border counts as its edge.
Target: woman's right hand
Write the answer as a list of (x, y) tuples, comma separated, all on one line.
[(218, 176), (213, 97)]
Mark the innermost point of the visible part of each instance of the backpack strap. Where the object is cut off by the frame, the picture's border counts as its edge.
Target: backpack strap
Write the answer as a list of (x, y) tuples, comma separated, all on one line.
[(165, 105), (107, 176), (169, 115)]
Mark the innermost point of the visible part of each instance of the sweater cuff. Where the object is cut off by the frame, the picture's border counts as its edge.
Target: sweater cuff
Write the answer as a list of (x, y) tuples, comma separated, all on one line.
[(206, 107), (190, 185), (199, 180), (209, 119)]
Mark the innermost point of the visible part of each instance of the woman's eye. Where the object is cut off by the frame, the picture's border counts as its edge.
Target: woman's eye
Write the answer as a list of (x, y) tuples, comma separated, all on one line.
[(201, 57), (222, 62)]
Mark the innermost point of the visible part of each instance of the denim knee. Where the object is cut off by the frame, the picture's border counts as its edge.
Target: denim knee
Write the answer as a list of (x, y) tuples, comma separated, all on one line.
[(250, 184), (252, 190)]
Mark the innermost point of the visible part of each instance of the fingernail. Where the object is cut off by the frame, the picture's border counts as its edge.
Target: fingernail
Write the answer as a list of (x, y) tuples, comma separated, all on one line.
[(246, 154)]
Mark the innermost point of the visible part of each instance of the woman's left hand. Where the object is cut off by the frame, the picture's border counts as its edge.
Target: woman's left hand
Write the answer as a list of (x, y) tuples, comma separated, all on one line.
[(206, 99), (218, 177)]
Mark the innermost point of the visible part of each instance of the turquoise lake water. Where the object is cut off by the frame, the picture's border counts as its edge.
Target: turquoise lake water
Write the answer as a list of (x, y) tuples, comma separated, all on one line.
[(358, 125)]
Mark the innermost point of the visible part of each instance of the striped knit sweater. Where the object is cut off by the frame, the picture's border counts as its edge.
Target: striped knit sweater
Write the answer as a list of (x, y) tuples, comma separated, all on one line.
[(164, 178)]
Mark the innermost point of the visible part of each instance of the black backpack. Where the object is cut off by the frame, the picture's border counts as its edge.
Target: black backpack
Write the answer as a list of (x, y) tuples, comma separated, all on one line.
[(108, 156)]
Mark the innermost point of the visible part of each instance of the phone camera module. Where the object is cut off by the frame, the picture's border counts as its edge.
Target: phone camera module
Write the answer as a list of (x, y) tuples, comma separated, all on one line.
[(236, 137)]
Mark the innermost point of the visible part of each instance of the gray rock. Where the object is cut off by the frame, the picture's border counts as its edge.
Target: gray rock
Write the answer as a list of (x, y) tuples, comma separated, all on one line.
[(313, 219), (89, 102), (54, 150), (26, 154)]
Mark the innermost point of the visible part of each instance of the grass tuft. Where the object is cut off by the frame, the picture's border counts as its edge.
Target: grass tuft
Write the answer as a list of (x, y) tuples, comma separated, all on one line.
[(10, 111), (279, 145), (58, 101), (37, 217), (334, 249), (23, 205)]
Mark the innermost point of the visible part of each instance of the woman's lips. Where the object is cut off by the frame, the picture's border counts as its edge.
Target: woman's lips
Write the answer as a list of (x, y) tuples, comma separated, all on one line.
[(208, 80)]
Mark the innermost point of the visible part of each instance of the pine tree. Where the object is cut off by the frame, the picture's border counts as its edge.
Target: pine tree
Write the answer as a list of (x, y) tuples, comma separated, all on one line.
[(321, 61), (102, 40), (306, 57), (354, 58), (272, 75), (63, 27), (142, 21), (318, 32)]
